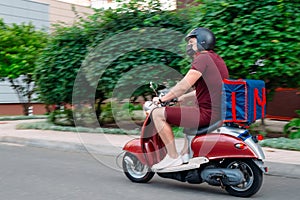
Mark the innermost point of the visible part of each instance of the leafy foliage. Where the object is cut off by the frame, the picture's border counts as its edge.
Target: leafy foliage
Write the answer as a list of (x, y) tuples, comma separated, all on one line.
[(257, 39), (63, 118), (281, 143), (107, 115), (293, 127), (20, 46), (251, 31), (59, 64), (134, 22), (22, 117), (124, 112), (69, 46)]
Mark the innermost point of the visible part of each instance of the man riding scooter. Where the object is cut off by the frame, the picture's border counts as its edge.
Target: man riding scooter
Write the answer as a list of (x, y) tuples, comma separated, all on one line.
[(221, 150), (206, 75)]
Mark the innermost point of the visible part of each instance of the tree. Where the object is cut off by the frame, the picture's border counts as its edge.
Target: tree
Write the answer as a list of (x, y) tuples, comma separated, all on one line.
[(20, 46), (59, 63), (67, 50), (259, 34)]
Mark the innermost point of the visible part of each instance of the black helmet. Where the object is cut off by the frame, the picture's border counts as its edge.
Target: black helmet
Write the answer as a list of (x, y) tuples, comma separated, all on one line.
[(206, 40)]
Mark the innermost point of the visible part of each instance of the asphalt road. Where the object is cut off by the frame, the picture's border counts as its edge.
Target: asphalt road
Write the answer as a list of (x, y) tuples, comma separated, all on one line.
[(29, 173)]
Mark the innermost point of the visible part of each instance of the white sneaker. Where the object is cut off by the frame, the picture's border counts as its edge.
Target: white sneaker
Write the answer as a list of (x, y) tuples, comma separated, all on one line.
[(167, 162)]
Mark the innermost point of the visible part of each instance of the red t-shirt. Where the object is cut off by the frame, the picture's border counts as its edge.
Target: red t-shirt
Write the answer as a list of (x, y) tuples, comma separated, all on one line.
[(209, 85)]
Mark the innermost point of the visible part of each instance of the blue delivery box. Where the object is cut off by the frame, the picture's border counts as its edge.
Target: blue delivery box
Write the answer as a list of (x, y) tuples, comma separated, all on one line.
[(245, 100)]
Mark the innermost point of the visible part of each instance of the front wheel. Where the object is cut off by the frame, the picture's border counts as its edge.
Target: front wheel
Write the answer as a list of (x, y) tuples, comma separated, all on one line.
[(135, 170), (253, 178)]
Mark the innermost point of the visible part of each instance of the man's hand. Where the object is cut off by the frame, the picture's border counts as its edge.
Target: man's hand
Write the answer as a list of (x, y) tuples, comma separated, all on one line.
[(156, 101)]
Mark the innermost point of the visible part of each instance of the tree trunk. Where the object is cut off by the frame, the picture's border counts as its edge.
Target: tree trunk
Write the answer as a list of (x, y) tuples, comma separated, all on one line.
[(24, 92)]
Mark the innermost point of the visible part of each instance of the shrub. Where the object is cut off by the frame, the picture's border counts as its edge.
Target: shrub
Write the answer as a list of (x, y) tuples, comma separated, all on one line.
[(62, 117), (255, 36), (86, 116), (107, 113), (131, 107), (292, 129), (281, 143), (125, 112)]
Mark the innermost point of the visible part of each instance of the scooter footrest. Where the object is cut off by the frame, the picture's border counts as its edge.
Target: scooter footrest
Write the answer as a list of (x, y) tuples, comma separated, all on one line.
[(194, 163)]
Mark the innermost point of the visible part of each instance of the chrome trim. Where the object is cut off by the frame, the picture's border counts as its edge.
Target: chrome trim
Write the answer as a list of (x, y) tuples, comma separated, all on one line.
[(256, 148), (261, 166)]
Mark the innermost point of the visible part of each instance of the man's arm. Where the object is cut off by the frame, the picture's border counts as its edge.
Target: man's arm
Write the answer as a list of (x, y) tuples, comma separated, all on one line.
[(188, 97), (182, 86)]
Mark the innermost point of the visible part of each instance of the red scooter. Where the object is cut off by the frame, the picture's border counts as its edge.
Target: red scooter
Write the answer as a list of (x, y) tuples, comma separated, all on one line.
[(222, 154)]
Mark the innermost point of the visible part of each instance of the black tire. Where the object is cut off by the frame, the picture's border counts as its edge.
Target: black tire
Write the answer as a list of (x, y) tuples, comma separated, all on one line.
[(253, 178), (135, 170)]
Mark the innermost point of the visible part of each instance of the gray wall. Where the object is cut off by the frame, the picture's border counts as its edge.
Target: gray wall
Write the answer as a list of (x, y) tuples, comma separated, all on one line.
[(18, 11), (7, 95)]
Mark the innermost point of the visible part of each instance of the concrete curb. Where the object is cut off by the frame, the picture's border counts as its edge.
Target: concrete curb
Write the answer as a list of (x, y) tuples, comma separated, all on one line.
[(275, 168)]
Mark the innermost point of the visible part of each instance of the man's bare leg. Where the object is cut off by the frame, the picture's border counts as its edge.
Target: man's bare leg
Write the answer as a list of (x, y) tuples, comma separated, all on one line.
[(165, 131)]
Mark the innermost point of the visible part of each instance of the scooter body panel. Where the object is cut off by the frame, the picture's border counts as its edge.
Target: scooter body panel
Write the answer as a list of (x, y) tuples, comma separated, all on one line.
[(149, 148), (220, 146)]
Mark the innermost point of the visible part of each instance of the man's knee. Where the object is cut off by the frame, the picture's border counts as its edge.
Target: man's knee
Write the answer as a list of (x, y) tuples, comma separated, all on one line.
[(159, 113)]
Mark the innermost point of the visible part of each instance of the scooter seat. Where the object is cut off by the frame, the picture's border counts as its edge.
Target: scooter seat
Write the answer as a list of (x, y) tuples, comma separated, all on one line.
[(203, 130)]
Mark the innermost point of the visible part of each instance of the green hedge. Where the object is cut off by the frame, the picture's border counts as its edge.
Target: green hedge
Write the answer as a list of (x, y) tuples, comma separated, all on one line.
[(282, 143), (8, 118)]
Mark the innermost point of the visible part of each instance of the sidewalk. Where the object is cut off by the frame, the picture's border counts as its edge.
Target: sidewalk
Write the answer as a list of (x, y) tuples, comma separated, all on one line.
[(280, 162), (271, 125)]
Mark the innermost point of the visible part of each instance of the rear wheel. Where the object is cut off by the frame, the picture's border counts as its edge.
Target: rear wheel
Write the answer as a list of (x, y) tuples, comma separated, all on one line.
[(135, 170), (253, 178)]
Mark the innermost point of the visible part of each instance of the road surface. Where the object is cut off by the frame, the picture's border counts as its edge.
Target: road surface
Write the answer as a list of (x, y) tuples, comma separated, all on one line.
[(29, 173)]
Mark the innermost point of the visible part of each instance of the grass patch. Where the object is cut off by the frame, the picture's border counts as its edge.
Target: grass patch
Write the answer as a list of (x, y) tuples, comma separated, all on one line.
[(50, 126), (22, 117), (282, 143)]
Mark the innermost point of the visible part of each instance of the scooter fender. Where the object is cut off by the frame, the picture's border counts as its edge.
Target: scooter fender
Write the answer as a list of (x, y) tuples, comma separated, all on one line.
[(145, 151), (220, 146), (134, 147)]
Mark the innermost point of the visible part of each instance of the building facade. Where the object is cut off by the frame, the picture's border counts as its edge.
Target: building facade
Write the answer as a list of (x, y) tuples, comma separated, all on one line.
[(42, 14)]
